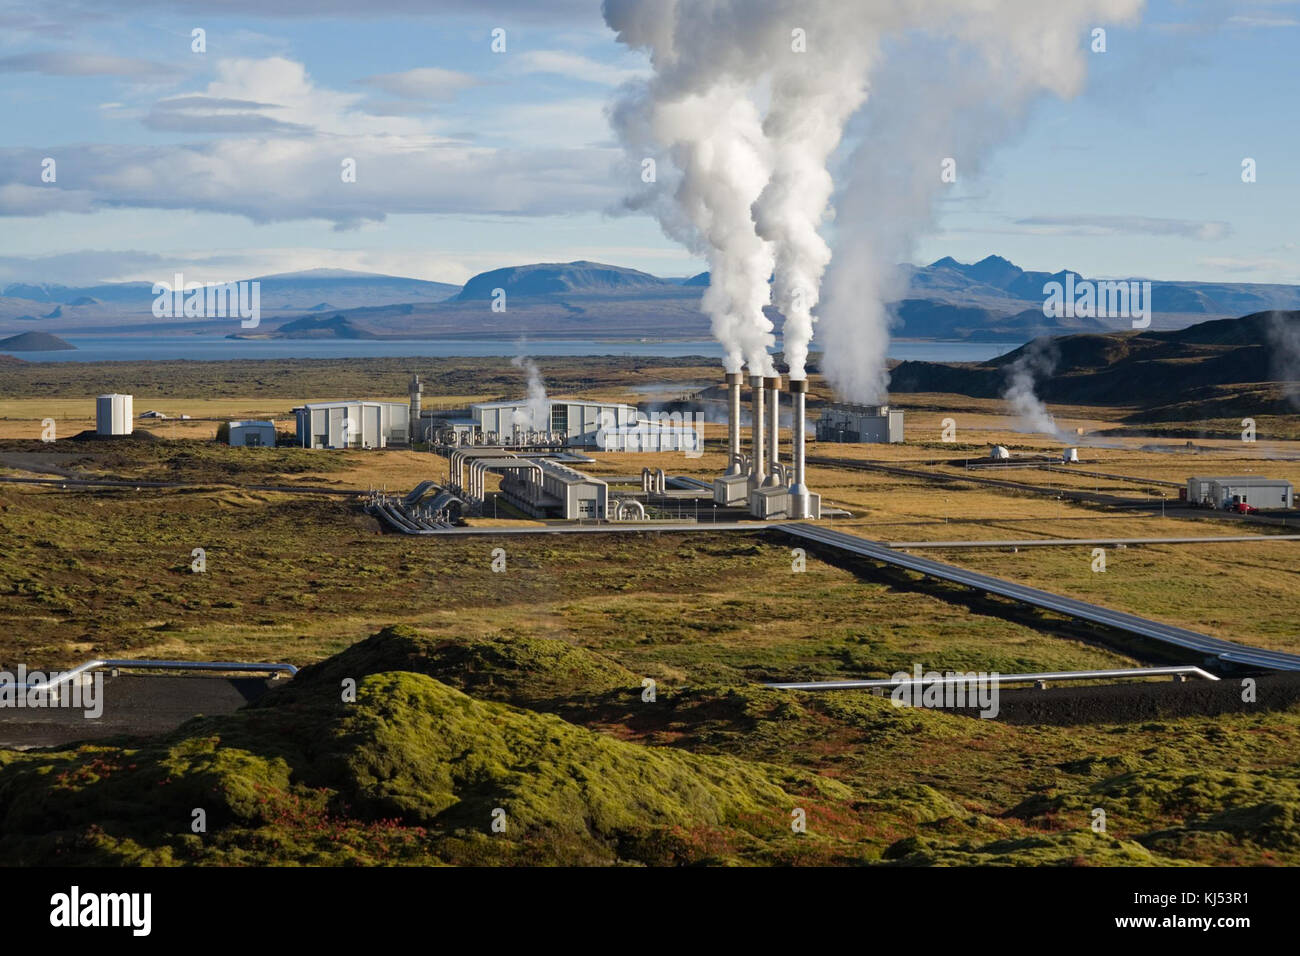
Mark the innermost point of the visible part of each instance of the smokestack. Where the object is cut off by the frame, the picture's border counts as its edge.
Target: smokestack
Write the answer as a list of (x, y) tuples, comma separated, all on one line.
[(799, 490), (773, 386), (416, 390), (734, 380), (758, 471)]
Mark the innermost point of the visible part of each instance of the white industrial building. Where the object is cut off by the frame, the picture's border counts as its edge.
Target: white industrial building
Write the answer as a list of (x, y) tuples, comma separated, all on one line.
[(575, 422), (1262, 493), (563, 492), (659, 433), (353, 424), (566, 422), (876, 424), (114, 414), (252, 434)]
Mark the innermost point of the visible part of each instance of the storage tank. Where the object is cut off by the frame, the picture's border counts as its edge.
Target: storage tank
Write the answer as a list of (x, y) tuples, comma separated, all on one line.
[(1070, 456), (114, 415), (999, 453)]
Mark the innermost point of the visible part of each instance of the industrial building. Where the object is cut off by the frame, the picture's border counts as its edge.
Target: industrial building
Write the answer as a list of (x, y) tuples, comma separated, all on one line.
[(875, 424), (564, 492), (573, 422), (353, 424), (251, 434), (1252, 490), (114, 414), (559, 423), (759, 481), (535, 483)]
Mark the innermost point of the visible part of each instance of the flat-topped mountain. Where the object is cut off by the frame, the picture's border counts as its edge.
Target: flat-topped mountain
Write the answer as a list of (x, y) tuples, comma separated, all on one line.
[(560, 278)]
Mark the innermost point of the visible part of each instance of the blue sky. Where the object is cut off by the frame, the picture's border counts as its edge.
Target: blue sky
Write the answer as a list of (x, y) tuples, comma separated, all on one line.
[(226, 164)]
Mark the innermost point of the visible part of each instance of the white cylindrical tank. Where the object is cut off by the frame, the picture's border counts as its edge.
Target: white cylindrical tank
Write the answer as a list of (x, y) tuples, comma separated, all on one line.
[(1070, 454), (998, 452), (114, 415)]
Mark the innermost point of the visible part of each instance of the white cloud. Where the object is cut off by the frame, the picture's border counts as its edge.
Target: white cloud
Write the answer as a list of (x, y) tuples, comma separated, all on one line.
[(572, 65), (1104, 225), (1287, 269), (423, 83), (83, 64)]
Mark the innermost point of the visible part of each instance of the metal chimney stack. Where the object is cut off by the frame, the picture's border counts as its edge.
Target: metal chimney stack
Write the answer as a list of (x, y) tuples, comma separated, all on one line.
[(799, 505), (734, 380), (773, 386), (759, 469), (416, 391)]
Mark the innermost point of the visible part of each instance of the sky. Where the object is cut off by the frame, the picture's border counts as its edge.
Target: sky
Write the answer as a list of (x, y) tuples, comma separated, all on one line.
[(228, 163)]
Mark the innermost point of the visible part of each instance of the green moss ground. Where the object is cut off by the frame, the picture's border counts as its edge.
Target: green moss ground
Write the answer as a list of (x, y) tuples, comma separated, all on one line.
[(443, 733)]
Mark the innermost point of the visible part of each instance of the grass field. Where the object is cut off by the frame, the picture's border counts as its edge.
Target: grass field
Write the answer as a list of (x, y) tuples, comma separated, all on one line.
[(523, 689)]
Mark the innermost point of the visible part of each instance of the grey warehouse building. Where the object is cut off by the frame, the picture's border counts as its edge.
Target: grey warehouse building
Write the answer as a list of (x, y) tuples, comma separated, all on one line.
[(876, 424), (1263, 493), (353, 424), (563, 493), (576, 421)]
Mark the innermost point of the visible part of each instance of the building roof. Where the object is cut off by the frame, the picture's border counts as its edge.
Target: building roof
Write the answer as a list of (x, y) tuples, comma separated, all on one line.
[(569, 476), (250, 423), (552, 401), (342, 402), (1246, 480)]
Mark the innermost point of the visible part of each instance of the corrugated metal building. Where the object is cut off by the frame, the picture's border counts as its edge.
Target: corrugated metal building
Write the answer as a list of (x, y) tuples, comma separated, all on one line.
[(1264, 493), (252, 434), (877, 424), (353, 424), (577, 422), (565, 492)]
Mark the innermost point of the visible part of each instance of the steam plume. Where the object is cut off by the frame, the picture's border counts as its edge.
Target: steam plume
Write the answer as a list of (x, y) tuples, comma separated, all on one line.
[(1038, 358), (749, 190), (534, 414)]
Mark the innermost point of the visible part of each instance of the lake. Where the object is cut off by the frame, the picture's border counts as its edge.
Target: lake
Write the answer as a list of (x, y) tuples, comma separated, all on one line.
[(116, 348)]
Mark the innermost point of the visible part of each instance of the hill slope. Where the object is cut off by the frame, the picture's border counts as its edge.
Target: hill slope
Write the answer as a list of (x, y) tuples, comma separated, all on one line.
[(1196, 369), (34, 342)]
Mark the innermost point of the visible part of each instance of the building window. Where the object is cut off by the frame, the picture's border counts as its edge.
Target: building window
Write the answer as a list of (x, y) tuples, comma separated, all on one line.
[(560, 418)]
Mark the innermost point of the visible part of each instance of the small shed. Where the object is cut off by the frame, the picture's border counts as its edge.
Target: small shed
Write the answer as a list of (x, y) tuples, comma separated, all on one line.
[(252, 434)]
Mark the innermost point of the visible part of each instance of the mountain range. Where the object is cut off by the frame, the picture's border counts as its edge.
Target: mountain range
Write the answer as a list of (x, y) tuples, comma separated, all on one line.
[(992, 299)]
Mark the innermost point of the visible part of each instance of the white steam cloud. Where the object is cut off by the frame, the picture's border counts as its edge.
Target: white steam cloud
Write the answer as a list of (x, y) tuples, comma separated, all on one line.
[(1038, 358), (747, 105), (535, 413), (1283, 331)]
